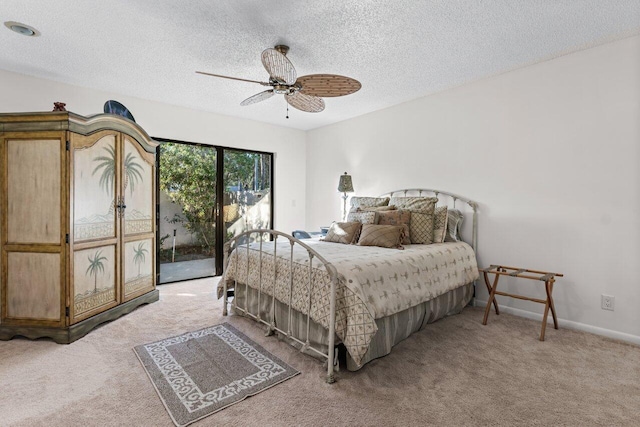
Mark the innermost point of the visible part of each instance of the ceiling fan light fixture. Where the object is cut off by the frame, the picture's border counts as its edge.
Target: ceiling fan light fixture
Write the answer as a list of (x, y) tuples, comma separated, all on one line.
[(281, 89), (285, 89), (22, 29)]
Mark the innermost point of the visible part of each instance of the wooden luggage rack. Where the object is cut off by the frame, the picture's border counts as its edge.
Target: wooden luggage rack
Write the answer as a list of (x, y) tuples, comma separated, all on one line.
[(544, 276)]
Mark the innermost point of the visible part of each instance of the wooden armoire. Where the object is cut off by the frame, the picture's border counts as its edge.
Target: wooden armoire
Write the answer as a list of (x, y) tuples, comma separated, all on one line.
[(77, 222)]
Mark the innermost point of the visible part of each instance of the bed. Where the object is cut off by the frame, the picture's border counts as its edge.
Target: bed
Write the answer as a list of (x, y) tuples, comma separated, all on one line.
[(317, 294)]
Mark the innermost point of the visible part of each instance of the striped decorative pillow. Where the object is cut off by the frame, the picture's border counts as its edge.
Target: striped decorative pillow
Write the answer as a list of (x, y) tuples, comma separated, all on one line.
[(454, 226)]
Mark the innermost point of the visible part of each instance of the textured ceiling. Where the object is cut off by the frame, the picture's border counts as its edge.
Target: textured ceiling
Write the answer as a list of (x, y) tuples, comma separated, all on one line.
[(399, 50)]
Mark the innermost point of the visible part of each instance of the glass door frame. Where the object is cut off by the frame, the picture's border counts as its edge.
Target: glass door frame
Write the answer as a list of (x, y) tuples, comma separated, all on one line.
[(219, 203)]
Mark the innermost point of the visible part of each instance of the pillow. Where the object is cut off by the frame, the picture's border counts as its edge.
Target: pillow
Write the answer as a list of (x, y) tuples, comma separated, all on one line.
[(384, 236), (397, 217), (368, 202), (342, 232), (376, 209), (440, 224), (422, 216), (362, 217), (454, 226)]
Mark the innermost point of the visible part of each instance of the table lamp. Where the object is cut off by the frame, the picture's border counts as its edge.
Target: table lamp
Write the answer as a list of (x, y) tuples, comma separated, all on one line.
[(345, 186)]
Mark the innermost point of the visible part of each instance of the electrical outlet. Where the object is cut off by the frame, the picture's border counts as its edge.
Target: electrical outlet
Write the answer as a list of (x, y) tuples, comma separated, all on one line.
[(607, 302)]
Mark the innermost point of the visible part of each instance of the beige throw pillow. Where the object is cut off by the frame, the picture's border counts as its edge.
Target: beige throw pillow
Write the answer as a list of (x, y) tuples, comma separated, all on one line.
[(368, 202), (384, 236), (422, 216), (376, 209), (397, 217), (343, 232)]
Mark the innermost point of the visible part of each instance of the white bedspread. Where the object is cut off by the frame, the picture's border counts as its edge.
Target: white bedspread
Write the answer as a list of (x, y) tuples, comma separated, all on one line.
[(392, 280)]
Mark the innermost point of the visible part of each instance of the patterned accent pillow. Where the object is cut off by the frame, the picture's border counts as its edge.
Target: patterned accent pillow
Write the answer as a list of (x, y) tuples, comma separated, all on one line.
[(385, 236), (440, 224), (368, 202), (397, 217), (343, 232), (454, 226), (362, 217), (422, 216)]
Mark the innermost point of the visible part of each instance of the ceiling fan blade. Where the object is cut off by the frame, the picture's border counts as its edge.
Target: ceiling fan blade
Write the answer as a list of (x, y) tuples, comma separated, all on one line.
[(328, 85), (257, 97), (279, 67), (233, 78), (308, 103)]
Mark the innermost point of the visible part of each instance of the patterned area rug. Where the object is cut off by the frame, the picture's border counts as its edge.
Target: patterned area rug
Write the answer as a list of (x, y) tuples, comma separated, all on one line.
[(202, 372)]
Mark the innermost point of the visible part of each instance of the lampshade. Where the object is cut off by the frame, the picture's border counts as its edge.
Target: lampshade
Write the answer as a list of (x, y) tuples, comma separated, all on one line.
[(345, 185)]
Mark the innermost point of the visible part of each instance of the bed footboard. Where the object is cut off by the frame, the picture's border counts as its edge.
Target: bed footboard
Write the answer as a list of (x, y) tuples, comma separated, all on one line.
[(243, 242)]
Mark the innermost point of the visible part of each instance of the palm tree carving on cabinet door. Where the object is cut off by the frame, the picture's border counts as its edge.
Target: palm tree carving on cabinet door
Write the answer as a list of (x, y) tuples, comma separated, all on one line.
[(107, 164), (96, 266), (139, 256), (132, 172)]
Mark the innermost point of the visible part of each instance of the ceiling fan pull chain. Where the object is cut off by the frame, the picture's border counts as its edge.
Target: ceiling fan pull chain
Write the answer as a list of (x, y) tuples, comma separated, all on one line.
[(287, 111)]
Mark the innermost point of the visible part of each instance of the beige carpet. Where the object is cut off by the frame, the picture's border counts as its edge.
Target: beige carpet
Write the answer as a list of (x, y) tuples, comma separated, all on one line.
[(456, 372)]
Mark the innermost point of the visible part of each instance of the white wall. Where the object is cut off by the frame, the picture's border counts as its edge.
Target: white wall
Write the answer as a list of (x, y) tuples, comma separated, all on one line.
[(550, 152), (22, 93)]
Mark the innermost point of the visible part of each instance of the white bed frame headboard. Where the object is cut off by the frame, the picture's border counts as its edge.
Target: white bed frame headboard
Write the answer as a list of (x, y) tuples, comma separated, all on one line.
[(450, 200)]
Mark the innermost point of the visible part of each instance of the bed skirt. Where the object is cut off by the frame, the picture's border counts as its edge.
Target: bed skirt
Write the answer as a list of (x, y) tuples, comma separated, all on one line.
[(391, 329)]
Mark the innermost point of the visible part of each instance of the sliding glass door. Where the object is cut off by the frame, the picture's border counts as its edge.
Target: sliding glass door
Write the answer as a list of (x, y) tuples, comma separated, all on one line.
[(187, 216), (207, 194), (248, 197)]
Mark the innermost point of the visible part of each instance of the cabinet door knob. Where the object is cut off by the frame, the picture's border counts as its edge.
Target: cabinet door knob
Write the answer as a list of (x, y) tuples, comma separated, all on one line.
[(121, 206)]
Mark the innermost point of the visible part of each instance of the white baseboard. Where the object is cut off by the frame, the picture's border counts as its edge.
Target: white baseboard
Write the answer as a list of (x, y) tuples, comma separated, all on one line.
[(633, 339)]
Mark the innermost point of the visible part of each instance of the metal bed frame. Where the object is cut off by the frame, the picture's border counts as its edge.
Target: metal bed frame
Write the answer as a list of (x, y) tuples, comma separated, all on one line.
[(237, 243), (243, 240)]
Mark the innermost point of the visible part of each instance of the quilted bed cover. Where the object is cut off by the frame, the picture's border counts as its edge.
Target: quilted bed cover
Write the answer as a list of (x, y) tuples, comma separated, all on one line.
[(372, 283)]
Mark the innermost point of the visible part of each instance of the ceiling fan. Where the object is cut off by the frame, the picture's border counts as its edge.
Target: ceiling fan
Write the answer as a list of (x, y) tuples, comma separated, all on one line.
[(304, 93)]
